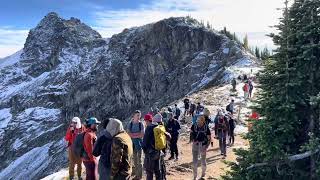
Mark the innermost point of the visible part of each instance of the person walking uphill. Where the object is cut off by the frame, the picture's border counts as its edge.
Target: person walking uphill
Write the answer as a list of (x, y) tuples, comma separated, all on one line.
[(135, 130), (201, 136), (121, 152), (102, 148), (74, 129), (173, 128), (222, 129), (90, 162)]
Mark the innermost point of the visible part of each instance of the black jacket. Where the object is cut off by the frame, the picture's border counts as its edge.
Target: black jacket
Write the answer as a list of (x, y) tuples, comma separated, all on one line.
[(148, 139), (102, 148), (173, 127)]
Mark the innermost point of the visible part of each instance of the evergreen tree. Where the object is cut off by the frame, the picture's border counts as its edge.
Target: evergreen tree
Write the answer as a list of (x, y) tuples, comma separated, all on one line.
[(289, 103), (265, 54), (246, 42), (257, 52)]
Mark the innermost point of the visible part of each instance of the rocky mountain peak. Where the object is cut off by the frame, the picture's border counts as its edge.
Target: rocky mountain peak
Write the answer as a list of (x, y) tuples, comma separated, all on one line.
[(50, 36)]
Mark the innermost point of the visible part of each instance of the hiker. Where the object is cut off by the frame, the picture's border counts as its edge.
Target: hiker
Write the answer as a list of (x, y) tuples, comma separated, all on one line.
[(245, 77), (153, 158), (135, 130), (250, 88), (230, 107), (221, 130), (164, 113), (232, 126), (186, 106), (90, 162), (102, 148), (199, 108), (245, 89), (201, 138), (74, 129), (234, 84), (173, 128), (177, 112), (192, 109), (121, 151)]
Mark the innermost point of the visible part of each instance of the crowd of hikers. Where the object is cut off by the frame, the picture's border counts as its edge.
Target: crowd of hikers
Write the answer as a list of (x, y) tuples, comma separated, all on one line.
[(125, 152)]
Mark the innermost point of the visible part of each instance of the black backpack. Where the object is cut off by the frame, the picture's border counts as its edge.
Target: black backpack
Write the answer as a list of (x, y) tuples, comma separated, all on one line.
[(77, 146), (228, 108)]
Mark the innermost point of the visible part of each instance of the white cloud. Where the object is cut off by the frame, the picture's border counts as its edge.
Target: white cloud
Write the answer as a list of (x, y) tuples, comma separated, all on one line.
[(11, 40), (243, 16)]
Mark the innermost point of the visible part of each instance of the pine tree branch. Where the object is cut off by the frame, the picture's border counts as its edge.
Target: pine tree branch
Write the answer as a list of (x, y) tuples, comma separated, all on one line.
[(290, 159)]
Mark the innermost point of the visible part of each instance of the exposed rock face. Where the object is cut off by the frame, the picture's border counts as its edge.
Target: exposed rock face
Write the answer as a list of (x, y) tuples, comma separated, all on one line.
[(66, 69)]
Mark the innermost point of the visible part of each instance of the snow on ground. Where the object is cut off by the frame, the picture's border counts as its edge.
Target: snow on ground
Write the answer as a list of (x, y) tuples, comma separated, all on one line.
[(28, 165), (5, 118), (58, 175), (10, 60), (17, 144)]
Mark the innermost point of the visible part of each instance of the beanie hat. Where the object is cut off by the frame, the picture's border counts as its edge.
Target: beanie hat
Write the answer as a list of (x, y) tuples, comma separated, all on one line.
[(77, 120), (148, 117), (157, 118)]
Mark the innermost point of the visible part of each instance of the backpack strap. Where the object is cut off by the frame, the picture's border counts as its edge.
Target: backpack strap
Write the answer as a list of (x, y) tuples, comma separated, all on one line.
[(130, 128), (140, 126)]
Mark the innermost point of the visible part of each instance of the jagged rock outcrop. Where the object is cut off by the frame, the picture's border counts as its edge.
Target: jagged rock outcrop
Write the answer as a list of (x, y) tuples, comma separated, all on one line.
[(67, 69)]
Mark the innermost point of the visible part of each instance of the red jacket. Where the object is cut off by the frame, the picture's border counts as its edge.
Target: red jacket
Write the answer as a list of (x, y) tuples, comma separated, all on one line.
[(246, 87), (70, 136), (89, 139), (254, 115)]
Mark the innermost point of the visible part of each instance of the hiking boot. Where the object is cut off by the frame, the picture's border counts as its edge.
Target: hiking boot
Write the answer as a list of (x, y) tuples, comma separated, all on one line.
[(171, 158), (71, 177), (177, 158), (79, 178)]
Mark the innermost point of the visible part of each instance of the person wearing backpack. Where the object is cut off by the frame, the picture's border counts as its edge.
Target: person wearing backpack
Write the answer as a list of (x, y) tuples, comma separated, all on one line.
[(74, 129), (232, 126), (186, 103), (102, 148), (230, 107), (192, 109), (177, 112), (222, 129), (90, 162), (199, 108), (135, 130), (245, 89), (250, 88), (173, 128), (201, 138), (153, 147), (121, 151), (234, 84)]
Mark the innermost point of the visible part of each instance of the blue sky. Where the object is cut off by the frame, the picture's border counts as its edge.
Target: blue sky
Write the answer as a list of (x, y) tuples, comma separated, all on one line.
[(252, 17)]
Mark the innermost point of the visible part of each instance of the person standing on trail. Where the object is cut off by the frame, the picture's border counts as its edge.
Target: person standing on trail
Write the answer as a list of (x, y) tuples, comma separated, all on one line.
[(90, 162), (186, 106), (222, 129), (173, 128), (250, 88), (232, 126), (102, 148), (234, 84), (135, 130), (192, 109), (201, 136), (177, 112), (74, 129), (246, 90), (121, 151), (199, 108), (230, 107)]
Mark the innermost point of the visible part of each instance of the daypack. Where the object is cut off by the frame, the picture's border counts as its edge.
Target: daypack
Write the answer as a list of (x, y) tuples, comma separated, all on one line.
[(228, 108), (245, 88), (201, 133), (77, 146), (222, 124), (160, 137), (140, 126)]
